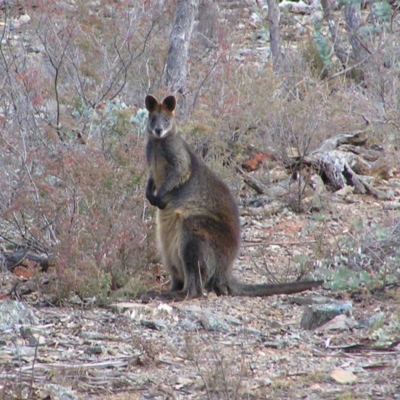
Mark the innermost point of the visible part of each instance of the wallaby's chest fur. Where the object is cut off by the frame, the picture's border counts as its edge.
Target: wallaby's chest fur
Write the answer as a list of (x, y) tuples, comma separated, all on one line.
[(198, 229), (168, 156)]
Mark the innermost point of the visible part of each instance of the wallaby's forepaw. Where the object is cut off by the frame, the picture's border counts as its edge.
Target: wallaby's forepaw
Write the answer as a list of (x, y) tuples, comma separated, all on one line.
[(156, 201), (161, 204), (151, 198)]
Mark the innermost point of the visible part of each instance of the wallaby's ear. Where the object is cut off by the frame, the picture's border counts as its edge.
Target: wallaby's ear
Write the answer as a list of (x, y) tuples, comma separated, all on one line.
[(151, 103), (169, 103)]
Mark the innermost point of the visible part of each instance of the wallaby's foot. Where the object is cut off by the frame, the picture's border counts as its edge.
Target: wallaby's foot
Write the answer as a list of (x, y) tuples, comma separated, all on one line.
[(179, 295)]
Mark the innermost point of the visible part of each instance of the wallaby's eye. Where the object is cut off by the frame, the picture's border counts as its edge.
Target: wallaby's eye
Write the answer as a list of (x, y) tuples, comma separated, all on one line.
[(166, 120)]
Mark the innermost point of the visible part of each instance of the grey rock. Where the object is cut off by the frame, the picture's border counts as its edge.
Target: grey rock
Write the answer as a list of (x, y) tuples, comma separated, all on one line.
[(372, 320), (313, 299), (251, 331), (96, 336), (94, 350), (26, 332), (279, 344), (189, 325), (57, 392), (155, 325), (23, 351), (339, 323), (317, 315), (14, 313), (210, 321)]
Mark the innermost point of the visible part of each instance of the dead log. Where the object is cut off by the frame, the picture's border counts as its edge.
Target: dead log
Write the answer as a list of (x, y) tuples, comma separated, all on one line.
[(24, 257), (255, 184), (356, 139), (339, 167), (342, 160)]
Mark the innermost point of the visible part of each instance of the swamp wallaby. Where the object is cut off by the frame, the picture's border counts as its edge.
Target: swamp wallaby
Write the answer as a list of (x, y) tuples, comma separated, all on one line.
[(198, 229)]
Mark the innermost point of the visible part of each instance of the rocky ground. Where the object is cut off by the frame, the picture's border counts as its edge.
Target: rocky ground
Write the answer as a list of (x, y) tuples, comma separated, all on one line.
[(215, 348)]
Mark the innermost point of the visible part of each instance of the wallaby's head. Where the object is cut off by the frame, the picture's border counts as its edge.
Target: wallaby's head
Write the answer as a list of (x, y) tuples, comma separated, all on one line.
[(161, 120)]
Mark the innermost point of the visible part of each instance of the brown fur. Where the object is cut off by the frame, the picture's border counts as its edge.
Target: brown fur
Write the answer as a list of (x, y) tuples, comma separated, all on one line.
[(198, 229)]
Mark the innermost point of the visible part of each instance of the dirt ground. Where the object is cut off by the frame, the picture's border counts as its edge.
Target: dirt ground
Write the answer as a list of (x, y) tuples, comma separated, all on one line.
[(218, 347)]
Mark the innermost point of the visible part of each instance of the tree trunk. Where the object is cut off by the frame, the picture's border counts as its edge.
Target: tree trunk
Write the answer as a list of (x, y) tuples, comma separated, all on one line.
[(352, 15), (178, 52), (337, 43), (274, 34)]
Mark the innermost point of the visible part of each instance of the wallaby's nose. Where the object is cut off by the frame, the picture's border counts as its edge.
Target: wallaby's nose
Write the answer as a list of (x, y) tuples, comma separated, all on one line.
[(158, 131)]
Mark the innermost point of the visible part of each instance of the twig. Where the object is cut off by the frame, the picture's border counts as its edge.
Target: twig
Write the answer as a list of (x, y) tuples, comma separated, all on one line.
[(264, 243)]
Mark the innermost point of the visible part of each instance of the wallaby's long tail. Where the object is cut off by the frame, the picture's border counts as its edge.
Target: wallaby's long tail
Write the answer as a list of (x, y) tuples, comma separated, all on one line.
[(263, 290)]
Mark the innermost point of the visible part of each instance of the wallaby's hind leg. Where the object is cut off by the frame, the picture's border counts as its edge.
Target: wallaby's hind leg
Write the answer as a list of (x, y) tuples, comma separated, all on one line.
[(176, 281), (177, 285), (194, 268), (219, 285), (194, 265)]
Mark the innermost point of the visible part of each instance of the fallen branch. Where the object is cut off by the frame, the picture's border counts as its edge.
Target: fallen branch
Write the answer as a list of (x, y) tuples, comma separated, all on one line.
[(342, 161), (24, 257)]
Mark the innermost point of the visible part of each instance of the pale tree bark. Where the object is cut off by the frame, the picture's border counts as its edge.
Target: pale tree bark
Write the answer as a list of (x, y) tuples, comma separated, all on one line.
[(352, 15), (340, 51), (178, 53), (274, 34)]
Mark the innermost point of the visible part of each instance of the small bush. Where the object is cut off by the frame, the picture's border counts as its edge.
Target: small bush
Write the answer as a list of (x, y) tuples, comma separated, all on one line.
[(368, 257)]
